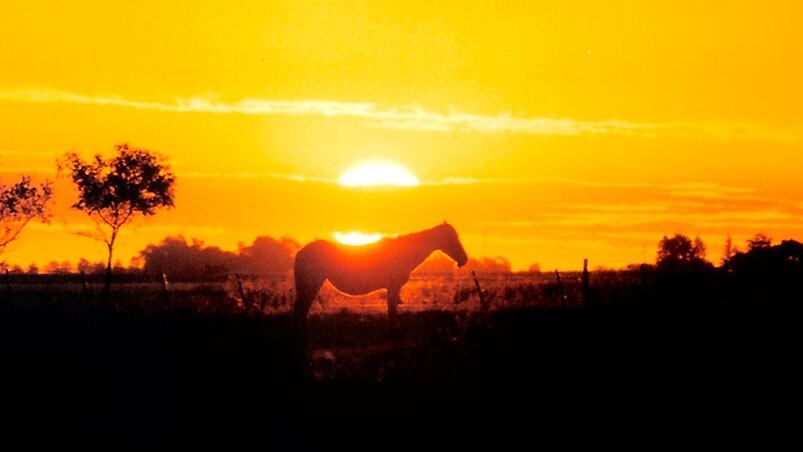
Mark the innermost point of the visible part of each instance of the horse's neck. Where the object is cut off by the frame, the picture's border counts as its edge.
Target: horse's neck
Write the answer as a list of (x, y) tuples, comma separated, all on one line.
[(418, 246)]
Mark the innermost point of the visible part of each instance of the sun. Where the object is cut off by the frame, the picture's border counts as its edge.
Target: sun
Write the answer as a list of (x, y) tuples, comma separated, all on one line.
[(372, 174), (355, 238)]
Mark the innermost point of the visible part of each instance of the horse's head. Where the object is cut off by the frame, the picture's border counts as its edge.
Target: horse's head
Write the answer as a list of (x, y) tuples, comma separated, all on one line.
[(450, 244)]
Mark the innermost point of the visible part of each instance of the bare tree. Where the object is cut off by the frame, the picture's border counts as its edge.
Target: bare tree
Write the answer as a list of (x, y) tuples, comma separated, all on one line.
[(112, 191), (729, 251), (20, 204)]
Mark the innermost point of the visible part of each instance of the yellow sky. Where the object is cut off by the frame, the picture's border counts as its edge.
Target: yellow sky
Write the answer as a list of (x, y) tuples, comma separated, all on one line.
[(545, 131)]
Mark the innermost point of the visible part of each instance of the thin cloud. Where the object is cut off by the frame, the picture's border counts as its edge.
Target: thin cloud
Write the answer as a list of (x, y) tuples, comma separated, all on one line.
[(84, 228), (704, 191), (417, 118), (638, 217), (477, 180), (258, 175), (25, 153), (27, 170), (691, 190)]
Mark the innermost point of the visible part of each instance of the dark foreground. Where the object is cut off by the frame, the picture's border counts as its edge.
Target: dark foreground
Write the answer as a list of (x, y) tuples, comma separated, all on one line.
[(144, 376)]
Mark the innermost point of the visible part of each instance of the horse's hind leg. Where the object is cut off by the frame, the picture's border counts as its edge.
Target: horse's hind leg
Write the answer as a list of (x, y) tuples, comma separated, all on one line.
[(305, 294), (306, 291)]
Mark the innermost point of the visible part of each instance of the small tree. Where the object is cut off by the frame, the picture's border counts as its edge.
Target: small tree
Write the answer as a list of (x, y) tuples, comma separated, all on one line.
[(20, 204), (699, 250), (760, 241), (112, 191), (728, 251), (680, 250)]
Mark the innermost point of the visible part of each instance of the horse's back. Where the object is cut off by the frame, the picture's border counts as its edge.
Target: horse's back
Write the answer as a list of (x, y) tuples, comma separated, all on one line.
[(352, 269), (326, 251)]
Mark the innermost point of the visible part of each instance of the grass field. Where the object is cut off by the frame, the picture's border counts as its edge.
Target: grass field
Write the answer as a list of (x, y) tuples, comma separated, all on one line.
[(198, 359), (275, 294)]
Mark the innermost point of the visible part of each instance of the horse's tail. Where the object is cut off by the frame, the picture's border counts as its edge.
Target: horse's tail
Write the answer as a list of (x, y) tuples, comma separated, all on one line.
[(300, 269), (302, 266), (308, 277)]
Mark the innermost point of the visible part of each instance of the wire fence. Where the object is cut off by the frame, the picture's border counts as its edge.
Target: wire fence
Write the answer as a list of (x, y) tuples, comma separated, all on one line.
[(275, 293)]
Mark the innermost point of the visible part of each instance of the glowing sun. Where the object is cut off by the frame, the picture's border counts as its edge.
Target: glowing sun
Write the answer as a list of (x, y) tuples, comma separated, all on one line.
[(356, 238), (378, 173)]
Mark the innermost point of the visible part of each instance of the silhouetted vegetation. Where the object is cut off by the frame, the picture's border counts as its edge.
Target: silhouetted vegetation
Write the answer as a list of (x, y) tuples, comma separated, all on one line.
[(771, 275), (216, 359), (182, 260), (112, 191), (680, 252), (206, 367), (20, 204), (440, 264)]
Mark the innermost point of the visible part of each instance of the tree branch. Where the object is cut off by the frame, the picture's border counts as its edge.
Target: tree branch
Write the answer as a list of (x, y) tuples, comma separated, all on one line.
[(13, 235)]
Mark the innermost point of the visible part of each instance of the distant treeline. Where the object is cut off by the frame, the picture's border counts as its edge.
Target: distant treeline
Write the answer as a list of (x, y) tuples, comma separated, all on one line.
[(182, 259), (177, 257)]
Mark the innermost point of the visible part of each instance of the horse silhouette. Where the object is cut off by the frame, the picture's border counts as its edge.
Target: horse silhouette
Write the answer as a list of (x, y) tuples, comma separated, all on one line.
[(358, 270)]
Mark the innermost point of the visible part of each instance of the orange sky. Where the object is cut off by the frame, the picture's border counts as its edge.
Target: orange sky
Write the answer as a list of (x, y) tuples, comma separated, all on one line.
[(544, 131)]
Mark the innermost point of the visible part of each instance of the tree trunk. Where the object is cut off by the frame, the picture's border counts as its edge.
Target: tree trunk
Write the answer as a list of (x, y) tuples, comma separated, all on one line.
[(107, 289)]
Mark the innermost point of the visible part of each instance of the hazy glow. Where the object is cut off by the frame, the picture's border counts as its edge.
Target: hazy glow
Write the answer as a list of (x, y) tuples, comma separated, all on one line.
[(355, 238), (378, 173), (593, 139)]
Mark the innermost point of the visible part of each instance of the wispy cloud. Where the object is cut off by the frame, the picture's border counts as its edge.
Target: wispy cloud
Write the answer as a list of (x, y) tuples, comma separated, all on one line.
[(690, 190), (478, 180), (84, 228), (640, 215), (417, 118), (258, 175), (701, 191), (25, 153), (691, 194), (27, 170)]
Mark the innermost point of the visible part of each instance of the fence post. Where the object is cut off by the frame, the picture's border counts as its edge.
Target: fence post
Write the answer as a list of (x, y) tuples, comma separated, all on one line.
[(241, 292), (586, 289), (84, 285), (8, 285), (483, 303), (165, 289), (563, 301)]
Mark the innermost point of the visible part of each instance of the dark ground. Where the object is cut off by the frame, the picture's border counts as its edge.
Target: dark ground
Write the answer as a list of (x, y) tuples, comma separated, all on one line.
[(142, 377)]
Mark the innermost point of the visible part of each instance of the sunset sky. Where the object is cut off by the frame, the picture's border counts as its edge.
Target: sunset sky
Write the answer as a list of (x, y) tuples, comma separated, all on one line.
[(544, 131)]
